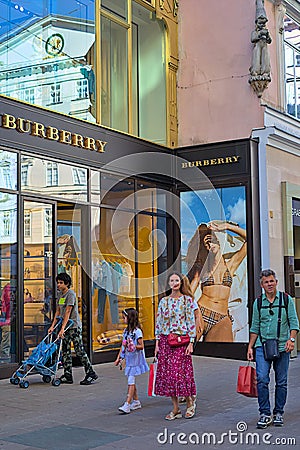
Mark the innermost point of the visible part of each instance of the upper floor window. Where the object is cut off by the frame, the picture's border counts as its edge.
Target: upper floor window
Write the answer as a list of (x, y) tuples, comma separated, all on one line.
[(6, 223), (292, 66), (55, 93), (47, 222), (27, 224), (79, 176), (82, 89), (24, 174), (52, 174)]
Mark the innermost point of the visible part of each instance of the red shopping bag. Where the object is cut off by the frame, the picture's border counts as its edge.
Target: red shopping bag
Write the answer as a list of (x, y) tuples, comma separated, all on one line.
[(246, 382), (151, 381)]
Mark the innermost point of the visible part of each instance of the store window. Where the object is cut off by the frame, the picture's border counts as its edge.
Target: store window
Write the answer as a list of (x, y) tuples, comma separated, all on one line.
[(8, 170), (53, 179), (8, 276), (38, 273), (48, 58), (114, 71), (117, 191), (113, 275), (292, 66), (45, 49), (214, 257)]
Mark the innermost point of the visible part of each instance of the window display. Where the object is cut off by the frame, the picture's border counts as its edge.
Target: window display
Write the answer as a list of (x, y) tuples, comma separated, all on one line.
[(214, 257)]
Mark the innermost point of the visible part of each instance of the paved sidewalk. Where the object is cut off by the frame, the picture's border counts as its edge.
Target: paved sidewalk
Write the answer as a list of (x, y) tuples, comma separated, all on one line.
[(74, 417)]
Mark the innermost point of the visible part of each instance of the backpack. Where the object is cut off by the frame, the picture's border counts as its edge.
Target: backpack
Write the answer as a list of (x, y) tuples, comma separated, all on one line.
[(286, 304)]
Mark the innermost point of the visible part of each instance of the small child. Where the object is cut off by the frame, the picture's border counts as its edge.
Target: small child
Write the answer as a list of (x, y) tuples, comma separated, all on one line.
[(132, 350)]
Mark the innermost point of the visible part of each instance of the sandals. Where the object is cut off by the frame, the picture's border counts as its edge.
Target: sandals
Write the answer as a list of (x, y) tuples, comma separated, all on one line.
[(172, 416), (190, 412)]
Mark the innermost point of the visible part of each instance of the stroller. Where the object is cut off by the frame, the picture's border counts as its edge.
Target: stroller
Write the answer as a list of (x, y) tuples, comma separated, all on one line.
[(43, 360)]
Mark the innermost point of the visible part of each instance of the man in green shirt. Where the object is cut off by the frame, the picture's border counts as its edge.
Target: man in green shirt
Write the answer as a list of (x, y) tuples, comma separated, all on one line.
[(263, 327)]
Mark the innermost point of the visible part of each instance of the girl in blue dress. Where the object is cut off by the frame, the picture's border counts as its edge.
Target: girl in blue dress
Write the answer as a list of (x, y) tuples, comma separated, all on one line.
[(132, 351)]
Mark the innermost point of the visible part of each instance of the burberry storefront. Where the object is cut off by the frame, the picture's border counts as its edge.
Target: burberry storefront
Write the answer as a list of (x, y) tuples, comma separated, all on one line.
[(73, 200), (117, 213)]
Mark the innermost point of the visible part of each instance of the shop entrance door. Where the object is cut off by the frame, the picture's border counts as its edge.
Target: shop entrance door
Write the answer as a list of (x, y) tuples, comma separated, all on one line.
[(52, 245), (38, 267)]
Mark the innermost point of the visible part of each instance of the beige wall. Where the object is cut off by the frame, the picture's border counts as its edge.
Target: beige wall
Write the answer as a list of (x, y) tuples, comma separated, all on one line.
[(281, 166), (215, 100)]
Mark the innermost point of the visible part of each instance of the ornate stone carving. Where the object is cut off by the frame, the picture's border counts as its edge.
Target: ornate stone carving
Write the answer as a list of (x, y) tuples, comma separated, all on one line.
[(260, 68)]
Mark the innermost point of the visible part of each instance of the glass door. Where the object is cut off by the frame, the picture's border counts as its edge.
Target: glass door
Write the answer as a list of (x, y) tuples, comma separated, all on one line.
[(38, 270)]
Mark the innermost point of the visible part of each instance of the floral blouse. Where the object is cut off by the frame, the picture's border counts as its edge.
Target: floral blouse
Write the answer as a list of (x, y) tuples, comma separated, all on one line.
[(176, 315)]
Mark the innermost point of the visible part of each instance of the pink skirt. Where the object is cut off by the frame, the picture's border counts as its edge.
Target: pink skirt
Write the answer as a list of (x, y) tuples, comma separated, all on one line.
[(175, 374)]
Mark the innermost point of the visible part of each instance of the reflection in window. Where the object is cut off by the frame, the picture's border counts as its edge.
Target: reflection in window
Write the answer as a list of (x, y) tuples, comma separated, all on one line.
[(82, 89), (79, 176), (8, 217), (29, 95), (54, 179), (8, 170), (6, 223), (48, 222), (55, 96), (8, 276), (116, 190), (52, 174), (24, 174), (27, 224), (292, 66)]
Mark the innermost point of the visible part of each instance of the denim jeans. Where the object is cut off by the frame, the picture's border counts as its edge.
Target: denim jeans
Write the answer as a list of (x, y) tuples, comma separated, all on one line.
[(113, 301), (263, 367)]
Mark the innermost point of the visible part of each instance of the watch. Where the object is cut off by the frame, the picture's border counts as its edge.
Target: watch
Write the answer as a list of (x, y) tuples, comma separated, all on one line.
[(292, 339)]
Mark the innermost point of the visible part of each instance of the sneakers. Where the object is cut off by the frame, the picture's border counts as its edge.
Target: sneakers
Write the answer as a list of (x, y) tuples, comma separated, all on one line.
[(277, 420), (136, 404), (125, 409), (89, 378), (66, 379), (264, 421)]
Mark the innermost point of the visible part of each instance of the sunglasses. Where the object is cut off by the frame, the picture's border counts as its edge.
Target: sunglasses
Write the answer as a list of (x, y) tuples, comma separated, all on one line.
[(271, 309)]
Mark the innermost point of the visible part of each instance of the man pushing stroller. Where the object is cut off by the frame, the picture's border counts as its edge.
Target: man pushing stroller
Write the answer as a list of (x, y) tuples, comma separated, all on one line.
[(67, 308)]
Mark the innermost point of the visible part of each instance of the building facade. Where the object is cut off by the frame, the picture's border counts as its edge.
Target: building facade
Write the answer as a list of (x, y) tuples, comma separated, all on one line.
[(220, 99), (121, 135)]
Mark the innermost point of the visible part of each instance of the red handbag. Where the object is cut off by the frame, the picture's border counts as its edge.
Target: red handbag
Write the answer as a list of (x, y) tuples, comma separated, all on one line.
[(246, 382), (178, 340)]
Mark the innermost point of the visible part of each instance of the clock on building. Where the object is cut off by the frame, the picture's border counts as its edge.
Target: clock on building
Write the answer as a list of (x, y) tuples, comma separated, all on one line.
[(54, 44)]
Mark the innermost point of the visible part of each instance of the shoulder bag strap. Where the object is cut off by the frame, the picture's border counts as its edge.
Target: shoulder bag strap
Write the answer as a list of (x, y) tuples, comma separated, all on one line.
[(279, 315)]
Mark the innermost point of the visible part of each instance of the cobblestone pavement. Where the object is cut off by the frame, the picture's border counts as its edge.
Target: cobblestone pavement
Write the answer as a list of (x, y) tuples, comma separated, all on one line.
[(75, 417)]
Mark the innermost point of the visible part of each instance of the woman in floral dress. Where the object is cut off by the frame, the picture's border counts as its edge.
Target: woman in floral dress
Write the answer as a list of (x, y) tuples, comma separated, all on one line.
[(175, 375)]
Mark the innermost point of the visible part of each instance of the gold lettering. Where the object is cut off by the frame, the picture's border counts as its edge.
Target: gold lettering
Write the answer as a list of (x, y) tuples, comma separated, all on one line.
[(191, 164), (8, 121), (77, 140), (236, 158), (20, 125), (89, 143), (228, 159), (100, 146), (52, 133), (213, 162), (221, 161), (205, 162), (65, 137), (38, 129), (184, 165), (199, 163)]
